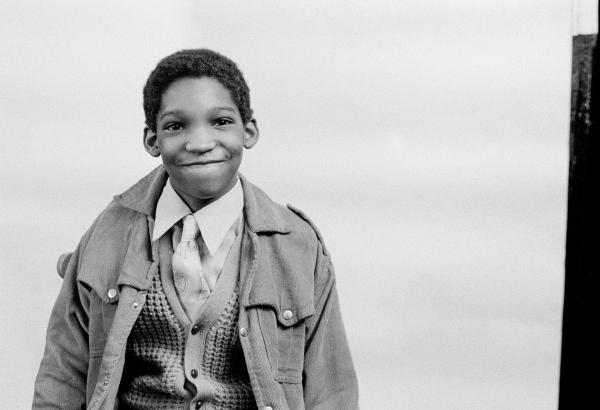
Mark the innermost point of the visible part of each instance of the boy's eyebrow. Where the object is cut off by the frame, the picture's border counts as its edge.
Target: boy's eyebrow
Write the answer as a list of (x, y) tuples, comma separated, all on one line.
[(174, 112), (226, 108), (214, 109)]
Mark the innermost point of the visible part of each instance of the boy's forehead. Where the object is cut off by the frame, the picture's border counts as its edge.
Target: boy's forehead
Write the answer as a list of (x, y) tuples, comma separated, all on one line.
[(197, 91), (189, 80)]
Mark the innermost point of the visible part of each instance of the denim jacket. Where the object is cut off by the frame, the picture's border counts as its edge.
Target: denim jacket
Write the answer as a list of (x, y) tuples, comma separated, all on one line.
[(290, 326)]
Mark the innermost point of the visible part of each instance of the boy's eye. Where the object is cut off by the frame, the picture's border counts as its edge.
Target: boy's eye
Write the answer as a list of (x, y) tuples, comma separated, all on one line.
[(221, 122), (173, 126)]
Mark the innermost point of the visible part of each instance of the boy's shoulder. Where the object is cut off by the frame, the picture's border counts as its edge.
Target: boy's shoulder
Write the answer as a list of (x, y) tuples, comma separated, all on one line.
[(114, 220), (270, 216), (111, 230), (306, 223)]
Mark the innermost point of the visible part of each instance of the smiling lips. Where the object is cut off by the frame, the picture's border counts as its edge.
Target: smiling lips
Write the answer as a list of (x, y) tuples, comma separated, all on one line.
[(202, 162)]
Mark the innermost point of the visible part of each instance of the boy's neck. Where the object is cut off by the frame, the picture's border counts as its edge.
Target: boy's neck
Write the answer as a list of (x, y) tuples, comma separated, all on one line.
[(195, 203)]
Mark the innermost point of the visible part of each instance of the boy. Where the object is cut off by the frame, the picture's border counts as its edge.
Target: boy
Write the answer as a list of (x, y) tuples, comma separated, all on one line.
[(193, 289)]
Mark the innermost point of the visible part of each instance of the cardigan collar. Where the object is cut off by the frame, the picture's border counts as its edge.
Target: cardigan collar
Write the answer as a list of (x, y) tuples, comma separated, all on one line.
[(261, 213)]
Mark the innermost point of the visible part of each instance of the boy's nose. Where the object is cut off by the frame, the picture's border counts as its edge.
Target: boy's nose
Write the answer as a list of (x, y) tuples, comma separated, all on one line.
[(200, 141)]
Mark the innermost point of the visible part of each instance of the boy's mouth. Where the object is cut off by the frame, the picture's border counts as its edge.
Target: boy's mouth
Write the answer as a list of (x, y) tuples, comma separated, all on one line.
[(202, 162)]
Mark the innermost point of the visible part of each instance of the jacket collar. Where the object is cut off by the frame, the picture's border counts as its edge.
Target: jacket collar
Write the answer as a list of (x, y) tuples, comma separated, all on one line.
[(143, 195), (262, 214)]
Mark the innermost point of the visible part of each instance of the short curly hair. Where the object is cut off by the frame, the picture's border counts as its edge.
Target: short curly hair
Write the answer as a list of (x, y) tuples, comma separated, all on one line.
[(195, 63)]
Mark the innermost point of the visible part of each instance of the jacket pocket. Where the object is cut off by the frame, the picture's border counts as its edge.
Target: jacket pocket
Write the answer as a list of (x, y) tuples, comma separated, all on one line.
[(97, 329), (284, 342), (101, 316)]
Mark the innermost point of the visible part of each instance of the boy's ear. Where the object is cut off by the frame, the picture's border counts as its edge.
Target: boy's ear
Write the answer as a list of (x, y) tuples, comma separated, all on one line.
[(250, 134), (151, 142)]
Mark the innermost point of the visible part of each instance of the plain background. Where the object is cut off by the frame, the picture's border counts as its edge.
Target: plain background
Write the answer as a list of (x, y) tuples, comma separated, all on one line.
[(428, 141)]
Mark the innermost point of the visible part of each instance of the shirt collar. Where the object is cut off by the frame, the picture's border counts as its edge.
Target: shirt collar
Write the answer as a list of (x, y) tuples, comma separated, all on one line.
[(214, 219)]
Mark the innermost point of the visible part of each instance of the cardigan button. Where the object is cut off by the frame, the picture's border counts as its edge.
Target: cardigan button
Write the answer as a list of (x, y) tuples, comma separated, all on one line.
[(194, 373), (267, 408), (288, 314), (243, 332), (195, 329)]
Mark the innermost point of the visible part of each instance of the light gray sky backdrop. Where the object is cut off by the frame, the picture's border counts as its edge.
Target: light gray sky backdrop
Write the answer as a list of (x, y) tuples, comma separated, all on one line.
[(427, 139)]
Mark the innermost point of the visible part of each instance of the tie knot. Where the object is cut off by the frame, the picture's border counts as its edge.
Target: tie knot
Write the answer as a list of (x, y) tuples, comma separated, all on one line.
[(190, 229)]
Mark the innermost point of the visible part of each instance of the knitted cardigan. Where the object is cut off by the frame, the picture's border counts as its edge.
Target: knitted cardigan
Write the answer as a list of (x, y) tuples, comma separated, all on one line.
[(155, 375)]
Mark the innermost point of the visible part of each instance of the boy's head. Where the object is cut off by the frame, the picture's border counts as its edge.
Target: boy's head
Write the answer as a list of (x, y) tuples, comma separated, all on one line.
[(199, 121), (195, 63)]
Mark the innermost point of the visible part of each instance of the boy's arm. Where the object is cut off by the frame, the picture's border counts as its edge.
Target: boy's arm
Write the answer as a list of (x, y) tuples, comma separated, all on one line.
[(61, 379), (329, 377)]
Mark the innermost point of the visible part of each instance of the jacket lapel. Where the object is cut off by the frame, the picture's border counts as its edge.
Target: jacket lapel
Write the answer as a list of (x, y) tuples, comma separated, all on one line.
[(271, 273), (126, 239)]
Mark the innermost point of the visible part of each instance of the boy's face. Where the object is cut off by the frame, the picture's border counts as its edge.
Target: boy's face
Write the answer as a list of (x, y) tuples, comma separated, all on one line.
[(200, 136)]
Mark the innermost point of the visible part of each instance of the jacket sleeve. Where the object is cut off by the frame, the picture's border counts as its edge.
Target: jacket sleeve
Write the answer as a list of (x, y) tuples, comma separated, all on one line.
[(61, 379), (329, 377)]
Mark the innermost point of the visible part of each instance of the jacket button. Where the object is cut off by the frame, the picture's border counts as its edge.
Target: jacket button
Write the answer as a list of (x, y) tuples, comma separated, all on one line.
[(287, 314), (267, 408), (243, 332), (112, 293), (194, 373), (195, 329)]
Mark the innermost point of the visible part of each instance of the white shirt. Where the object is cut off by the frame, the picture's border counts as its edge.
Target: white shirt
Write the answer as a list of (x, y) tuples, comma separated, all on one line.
[(214, 220), (220, 222)]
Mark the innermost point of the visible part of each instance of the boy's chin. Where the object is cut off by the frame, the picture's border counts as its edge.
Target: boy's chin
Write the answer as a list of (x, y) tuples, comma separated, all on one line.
[(212, 191), (203, 190)]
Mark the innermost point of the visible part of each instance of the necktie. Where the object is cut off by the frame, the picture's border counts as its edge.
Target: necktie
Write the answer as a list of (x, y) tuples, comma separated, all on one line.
[(187, 269)]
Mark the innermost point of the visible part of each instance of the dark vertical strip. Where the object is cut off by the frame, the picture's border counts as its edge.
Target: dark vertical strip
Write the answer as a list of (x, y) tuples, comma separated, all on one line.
[(579, 369)]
